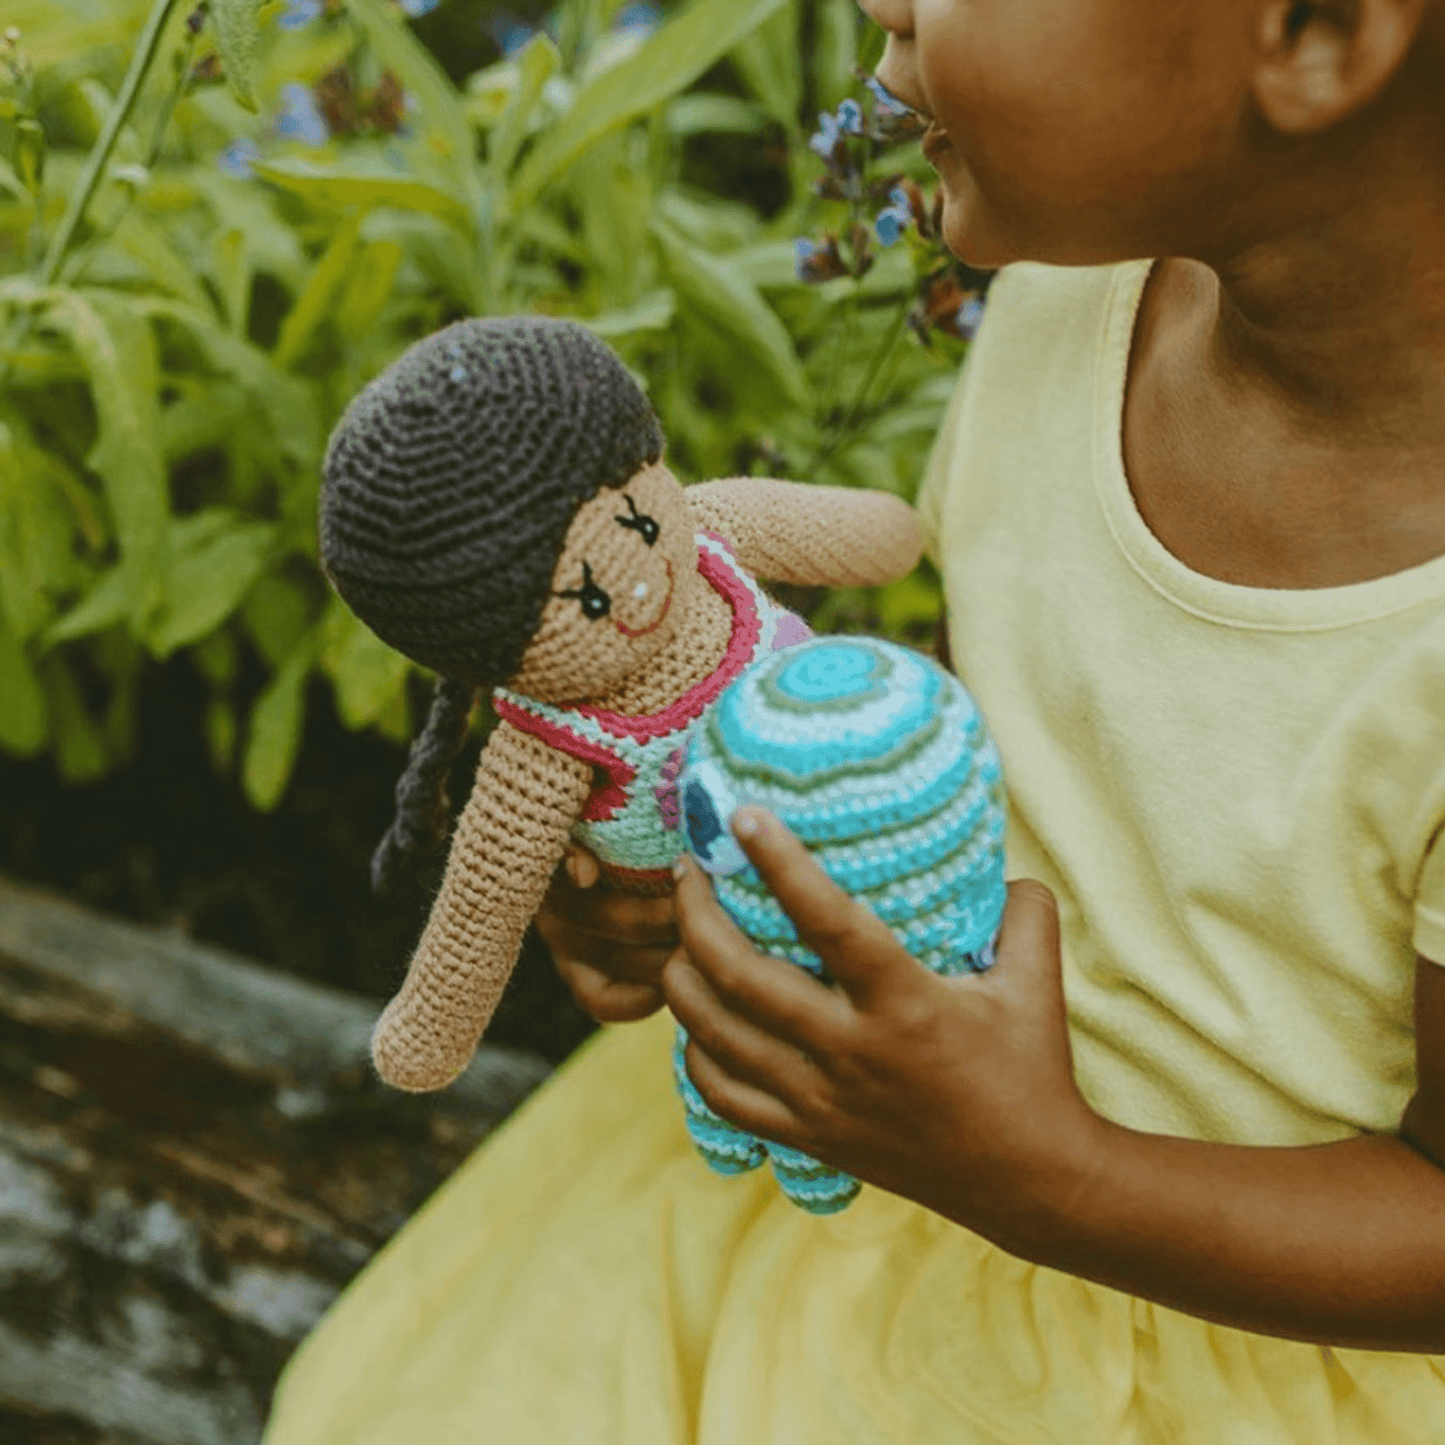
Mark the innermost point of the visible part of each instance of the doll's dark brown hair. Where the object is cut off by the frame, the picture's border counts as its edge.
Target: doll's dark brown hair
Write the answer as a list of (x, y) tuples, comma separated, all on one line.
[(449, 487)]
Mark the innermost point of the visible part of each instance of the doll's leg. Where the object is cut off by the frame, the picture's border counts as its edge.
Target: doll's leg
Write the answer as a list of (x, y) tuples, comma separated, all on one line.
[(810, 1185), (726, 1148)]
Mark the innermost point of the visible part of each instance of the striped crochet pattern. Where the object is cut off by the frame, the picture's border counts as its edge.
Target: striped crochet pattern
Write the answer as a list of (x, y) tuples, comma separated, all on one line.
[(880, 762)]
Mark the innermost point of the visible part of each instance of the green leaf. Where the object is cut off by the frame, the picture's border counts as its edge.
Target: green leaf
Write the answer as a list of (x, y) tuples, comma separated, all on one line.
[(668, 63), (734, 311), (315, 301), (702, 113), (238, 40), (274, 734), (835, 51), (117, 344), (22, 699), (148, 244), (232, 269), (344, 189), (768, 60), (442, 118), (80, 751), (208, 579), (105, 605), (652, 312), (366, 673), (536, 65), (368, 288), (276, 614), (37, 534)]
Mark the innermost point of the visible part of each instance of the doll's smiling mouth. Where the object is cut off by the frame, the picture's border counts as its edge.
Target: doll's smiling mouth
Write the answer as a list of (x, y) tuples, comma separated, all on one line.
[(657, 621)]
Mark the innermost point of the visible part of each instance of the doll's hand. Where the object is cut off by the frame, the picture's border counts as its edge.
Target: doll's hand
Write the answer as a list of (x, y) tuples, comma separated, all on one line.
[(608, 946), (957, 1093)]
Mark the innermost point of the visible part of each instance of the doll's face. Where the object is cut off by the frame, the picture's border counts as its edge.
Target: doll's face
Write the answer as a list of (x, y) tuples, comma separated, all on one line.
[(621, 585)]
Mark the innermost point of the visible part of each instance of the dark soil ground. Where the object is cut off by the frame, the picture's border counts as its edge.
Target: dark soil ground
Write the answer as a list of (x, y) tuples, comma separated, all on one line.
[(165, 840)]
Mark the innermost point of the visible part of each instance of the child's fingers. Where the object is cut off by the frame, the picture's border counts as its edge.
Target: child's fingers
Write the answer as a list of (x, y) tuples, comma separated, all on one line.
[(604, 912), (747, 1052), (741, 1103), (780, 998), (581, 865), (857, 947), (607, 999)]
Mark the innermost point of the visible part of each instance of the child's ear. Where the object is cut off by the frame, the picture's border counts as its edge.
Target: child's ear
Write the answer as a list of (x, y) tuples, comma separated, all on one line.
[(1322, 60)]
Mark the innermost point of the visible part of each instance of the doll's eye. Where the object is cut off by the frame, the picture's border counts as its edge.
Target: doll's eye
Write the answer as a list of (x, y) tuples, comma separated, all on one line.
[(595, 602), (639, 522)]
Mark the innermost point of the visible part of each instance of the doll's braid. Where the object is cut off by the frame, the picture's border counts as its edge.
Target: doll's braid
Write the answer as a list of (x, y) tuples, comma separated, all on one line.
[(422, 804)]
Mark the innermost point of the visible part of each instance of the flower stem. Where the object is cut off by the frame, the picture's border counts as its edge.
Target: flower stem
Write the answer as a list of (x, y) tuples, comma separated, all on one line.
[(140, 65)]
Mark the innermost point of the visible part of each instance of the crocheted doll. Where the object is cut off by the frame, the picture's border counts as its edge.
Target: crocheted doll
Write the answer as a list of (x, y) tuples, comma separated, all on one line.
[(495, 506), (879, 761)]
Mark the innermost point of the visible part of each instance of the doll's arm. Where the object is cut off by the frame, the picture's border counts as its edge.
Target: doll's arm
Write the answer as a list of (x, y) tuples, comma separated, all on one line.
[(811, 535), (510, 838)]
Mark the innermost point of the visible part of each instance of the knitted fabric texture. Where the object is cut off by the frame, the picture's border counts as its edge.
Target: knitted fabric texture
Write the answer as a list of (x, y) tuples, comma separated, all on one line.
[(452, 479), (630, 820), (508, 841), (878, 760)]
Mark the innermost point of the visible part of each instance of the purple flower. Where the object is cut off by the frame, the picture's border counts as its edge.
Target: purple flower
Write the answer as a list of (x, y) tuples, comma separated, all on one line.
[(236, 159), (299, 13), (300, 117), (416, 8)]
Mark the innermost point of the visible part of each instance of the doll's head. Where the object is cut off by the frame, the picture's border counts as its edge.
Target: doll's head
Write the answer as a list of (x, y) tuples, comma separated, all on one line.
[(495, 507), (453, 479)]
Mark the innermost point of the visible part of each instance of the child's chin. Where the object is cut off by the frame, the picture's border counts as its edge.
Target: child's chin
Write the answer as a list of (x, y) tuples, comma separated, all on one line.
[(967, 233)]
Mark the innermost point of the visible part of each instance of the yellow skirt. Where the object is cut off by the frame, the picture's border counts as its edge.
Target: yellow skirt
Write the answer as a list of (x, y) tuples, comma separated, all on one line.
[(586, 1280)]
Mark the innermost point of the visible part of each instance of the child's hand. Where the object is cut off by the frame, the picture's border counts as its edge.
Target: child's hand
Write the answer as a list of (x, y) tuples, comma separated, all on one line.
[(608, 946), (957, 1093)]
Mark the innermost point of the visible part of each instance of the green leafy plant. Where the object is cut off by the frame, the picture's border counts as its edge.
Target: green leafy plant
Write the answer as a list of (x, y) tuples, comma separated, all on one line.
[(211, 237)]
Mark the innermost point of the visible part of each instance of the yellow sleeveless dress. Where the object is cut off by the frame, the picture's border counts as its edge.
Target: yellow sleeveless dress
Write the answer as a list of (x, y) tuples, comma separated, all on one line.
[(1236, 795)]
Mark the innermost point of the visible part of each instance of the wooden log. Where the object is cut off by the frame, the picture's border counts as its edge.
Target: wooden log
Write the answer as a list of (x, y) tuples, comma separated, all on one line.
[(195, 1157)]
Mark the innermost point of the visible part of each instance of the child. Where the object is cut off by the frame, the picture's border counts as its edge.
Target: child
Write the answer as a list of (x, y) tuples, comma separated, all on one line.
[(1174, 1171)]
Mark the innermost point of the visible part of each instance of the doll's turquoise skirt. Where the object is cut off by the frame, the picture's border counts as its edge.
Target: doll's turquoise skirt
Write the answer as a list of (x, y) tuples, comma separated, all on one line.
[(585, 1279)]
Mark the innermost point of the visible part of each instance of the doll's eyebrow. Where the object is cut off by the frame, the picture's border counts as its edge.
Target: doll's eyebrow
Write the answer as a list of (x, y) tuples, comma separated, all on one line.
[(639, 521)]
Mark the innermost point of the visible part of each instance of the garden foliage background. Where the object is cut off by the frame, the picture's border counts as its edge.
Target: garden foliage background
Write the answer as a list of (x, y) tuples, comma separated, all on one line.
[(294, 194)]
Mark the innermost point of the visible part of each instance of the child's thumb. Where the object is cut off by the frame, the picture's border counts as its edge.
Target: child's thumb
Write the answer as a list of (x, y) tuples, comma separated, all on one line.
[(581, 865), (1028, 941)]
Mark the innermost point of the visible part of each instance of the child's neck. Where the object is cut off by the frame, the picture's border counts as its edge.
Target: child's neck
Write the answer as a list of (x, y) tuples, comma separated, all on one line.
[(1289, 431)]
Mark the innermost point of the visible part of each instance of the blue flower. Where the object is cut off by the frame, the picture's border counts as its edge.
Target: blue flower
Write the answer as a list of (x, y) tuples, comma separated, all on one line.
[(300, 118), (814, 263), (415, 8), (236, 159), (888, 103), (509, 35), (968, 317), (848, 121), (299, 13), (643, 17), (893, 220)]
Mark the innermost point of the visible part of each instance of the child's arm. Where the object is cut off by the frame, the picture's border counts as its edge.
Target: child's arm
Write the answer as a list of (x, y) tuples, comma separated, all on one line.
[(510, 837), (811, 535), (959, 1093)]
